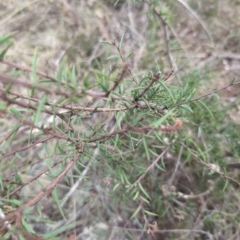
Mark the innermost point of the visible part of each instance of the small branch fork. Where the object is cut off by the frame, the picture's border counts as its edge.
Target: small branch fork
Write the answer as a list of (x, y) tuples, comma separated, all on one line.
[(176, 126), (153, 80)]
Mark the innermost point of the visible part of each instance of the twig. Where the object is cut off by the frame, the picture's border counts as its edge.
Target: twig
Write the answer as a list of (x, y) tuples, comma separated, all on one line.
[(150, 167), (117, 82), (124, 61), (208, 166), (35, 177), (25, 69), (69, 107), (166, 37), (171, 191), (207, 94), (26, 147), (176, 126), (9, 79), (28, 106), (171, 179), (76, 184), (154, 79)]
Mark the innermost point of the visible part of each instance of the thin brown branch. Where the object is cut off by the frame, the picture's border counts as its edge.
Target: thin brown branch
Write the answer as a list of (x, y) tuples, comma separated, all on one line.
[(14, 215), (166, 35), (35, 177), (25, 147), (176, 126), (25, 69), (28, 106), (124, 61), (9, 79), (68, 107), (209, 93), (46, 191), (95, 94), (9, 135), (207, 165), (153, 80), (117, 82), (30, 124), (150, 167)]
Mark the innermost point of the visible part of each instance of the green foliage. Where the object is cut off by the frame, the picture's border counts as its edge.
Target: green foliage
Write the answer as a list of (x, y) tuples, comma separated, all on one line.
[(114, 141), (5, 44)]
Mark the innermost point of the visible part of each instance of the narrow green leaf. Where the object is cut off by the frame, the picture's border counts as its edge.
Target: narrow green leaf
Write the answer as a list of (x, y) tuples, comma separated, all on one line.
[(74, 78), (135, 196), (136, 212), (34, 72), (143, 190), (116, 141), (60, 230), (186, 107), (15, 112), (125, 178), (191, 95), (3, 53), (12, 202), (122, 178), (225, 185), (86, 82), (113, 57), (129, 55), (41, 105), (115, 4), (146, 148), (13, 136), (232, 82), (59, 74), (55, 198), (162, 119), (27, 226), (39, 209), (8, 88), (19, 156), (116, 186), (34, 67), (201, 153), (5, 39), (179, 96), (145, 200), (107, 42), (205, 106), (150, 213), (2, 105), (168, 90), (121, 41)]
